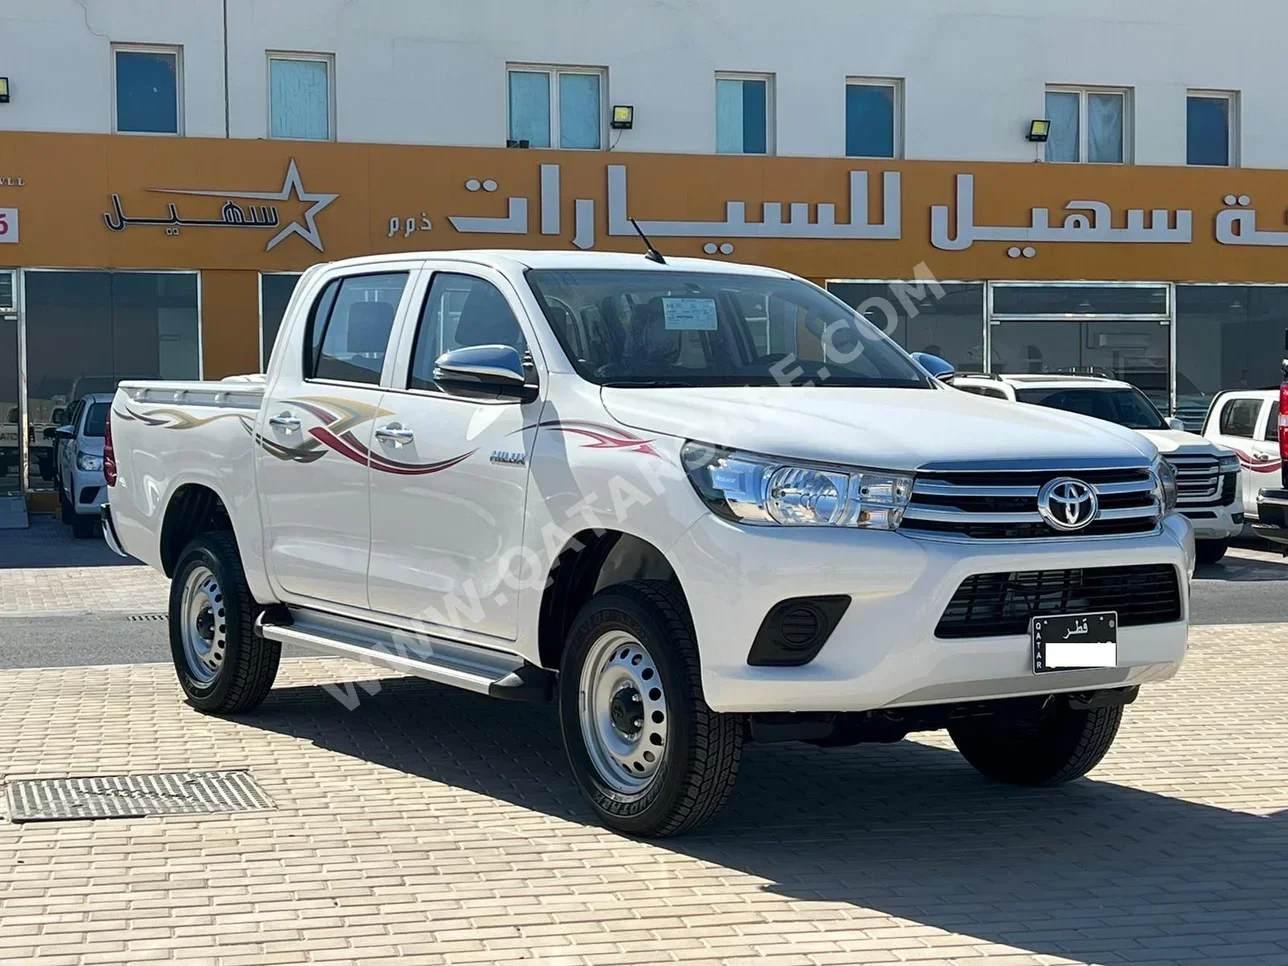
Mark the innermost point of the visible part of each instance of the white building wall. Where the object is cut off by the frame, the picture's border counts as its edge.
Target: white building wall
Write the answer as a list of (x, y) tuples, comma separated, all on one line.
[(433, 71)]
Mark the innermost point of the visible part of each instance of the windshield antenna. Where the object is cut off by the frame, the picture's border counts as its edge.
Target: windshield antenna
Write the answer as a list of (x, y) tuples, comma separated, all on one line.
[(653, 255)]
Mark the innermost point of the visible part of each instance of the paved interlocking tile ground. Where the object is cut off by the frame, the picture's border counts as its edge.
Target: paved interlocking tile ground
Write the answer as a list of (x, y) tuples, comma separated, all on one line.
[(431, 826), (49, 591)]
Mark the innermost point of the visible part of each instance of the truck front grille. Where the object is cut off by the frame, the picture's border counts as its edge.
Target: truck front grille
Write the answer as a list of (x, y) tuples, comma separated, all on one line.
[(1003, 504), (995, 605), (1198, 480)]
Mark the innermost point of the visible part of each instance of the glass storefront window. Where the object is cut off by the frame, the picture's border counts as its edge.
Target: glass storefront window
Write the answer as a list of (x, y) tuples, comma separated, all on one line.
[(275, 290), (1227, 337), (1075, 300), (86, 331), (10, 454), (951, 327)]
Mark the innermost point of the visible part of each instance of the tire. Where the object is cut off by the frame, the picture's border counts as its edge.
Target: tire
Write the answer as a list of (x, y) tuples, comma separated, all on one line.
[(695, 772), (65, 511), (1056, 745), (241, 676), (1210, 551), (84, 526)]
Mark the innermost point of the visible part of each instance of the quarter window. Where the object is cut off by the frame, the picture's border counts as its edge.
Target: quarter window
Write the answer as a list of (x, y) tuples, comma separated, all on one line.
[(873, 125), (148, 95), (744, 114), (1087, 125), (1272, 423), (1212, 123), (460, 311), (1239, 418), (349, 331), (557, 106), (300, 103)]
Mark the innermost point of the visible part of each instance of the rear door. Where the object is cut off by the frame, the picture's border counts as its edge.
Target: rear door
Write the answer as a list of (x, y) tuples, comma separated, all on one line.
[(448, 491), (315, 432), (1236, 421), (1266, 464)]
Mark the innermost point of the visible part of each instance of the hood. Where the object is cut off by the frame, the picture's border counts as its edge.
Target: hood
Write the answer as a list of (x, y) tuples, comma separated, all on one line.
[(1175, 442), (900, 429)]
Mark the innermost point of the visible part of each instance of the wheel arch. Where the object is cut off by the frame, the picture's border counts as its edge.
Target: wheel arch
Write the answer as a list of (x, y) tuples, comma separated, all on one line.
[(590, 561), (193, 509)]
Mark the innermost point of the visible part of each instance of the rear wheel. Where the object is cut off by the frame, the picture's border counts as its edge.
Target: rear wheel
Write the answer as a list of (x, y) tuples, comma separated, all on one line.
[(1210, 551), (223, 667), (645, 749), (1050, 747)]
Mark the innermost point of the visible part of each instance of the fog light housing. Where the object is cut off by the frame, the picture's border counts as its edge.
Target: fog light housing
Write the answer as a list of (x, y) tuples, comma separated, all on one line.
[(795, 630)]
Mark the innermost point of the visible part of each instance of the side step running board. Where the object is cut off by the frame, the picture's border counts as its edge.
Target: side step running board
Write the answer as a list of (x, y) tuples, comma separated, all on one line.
[(478, 669)]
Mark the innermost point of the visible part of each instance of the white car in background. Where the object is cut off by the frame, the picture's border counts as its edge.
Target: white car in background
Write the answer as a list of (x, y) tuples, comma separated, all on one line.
[(1247, 421), (1208, 474), (82, 488)]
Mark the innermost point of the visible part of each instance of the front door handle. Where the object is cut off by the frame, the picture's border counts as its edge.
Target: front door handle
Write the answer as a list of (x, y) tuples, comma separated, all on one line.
[(285, 422), (1262, 457), (396, 434)]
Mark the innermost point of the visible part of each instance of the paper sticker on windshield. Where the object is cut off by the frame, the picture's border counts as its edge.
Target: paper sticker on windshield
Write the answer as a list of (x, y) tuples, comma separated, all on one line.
[(690, 315)]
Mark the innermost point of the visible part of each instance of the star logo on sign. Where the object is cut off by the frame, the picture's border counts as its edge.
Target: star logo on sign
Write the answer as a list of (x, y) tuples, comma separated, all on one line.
[(316, 202)]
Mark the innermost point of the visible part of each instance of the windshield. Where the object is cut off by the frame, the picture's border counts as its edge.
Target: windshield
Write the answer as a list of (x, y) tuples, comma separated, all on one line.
[(96, 419), (663, 328), (1126, 407)]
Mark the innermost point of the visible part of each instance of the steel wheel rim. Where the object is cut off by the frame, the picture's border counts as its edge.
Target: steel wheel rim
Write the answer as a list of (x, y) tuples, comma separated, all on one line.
[(623, 713), (204, 626)]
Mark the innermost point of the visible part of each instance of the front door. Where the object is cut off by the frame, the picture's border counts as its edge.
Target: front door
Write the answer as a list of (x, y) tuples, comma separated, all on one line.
[(449, 473), (315, 433)]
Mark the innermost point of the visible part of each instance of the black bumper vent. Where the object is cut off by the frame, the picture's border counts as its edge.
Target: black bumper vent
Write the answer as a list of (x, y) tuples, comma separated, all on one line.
[(994, 605)]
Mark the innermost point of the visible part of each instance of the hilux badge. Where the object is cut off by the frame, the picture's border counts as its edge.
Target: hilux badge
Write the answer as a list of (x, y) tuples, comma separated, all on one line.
[(512, 459)]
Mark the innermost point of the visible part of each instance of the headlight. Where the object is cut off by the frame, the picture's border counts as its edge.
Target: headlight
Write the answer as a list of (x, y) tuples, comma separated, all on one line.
[(763, 491), (1228, 464), (88, 463), (1165, 477)]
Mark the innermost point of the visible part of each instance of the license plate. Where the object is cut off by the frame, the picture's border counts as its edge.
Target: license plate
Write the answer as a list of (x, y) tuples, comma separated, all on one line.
[(1075, 642)]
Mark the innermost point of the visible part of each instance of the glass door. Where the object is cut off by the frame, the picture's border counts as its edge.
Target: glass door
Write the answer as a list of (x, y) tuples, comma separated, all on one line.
[(10, 423), (1119, 332)]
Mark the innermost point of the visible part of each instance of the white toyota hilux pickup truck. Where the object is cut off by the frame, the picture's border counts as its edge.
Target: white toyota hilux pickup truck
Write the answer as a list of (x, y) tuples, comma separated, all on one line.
[(694, 503)]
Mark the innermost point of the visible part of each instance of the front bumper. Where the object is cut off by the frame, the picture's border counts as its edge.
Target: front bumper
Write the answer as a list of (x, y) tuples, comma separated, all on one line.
[(1215, 522), (884, 652), (110, 536), (89, 491)]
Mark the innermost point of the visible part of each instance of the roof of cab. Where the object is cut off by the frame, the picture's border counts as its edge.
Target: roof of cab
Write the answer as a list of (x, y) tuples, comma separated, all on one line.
[(1054, 380), (567, 260)]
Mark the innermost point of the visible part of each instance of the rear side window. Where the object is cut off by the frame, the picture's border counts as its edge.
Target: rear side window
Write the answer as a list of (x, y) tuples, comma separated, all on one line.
[(1239, 417), (96, 420), (1272, 423), (350, 326), (460, 311)]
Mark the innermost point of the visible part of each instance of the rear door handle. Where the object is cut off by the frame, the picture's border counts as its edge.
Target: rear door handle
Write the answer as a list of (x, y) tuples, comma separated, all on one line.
[(285, 422), (396, 434), (1262, 457)]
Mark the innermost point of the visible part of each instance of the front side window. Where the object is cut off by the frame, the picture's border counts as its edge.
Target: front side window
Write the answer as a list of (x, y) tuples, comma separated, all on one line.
[(299, 104), (557, 107), (460, 311), (1126, 407), (650, 328), (148, 90), (872, 120), (349, 330), (1087, 125), (1210, 126), (744, 114), (1239, 418)]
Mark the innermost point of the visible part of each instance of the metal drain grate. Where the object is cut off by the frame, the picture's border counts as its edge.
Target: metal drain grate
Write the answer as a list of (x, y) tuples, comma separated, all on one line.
[(134, 796), (146, 617)]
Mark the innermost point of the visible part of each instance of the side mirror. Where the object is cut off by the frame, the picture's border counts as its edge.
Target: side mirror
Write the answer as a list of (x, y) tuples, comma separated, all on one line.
[(941, 369), (64, 432), (485, 370), (1176, 424), (48, 432)]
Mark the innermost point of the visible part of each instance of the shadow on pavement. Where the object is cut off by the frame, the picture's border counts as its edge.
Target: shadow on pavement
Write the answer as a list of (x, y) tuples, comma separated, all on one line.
[(48, 542), (1241, 567), (1090, 871)]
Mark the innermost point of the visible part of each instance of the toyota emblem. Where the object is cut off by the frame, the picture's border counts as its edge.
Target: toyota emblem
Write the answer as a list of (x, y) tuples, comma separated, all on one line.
[(1067, 504)]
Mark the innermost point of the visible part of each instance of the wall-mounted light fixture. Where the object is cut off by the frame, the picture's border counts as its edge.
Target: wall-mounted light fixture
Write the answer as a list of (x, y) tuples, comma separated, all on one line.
[(623, 117), (4, 90), (1039, 131), (521, 143)]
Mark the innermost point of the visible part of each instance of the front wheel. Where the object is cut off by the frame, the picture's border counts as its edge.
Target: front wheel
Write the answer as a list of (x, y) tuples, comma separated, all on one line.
[(647, 752), (1210, 551), (223, 666), (1049, 747)]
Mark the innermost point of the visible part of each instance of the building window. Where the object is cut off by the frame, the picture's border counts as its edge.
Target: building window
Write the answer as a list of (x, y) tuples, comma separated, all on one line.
[(1089, 125), (1212, 128), (744, 114), (873, 118), (557, 106), (300, 105), (275, 291), (149, 90)]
